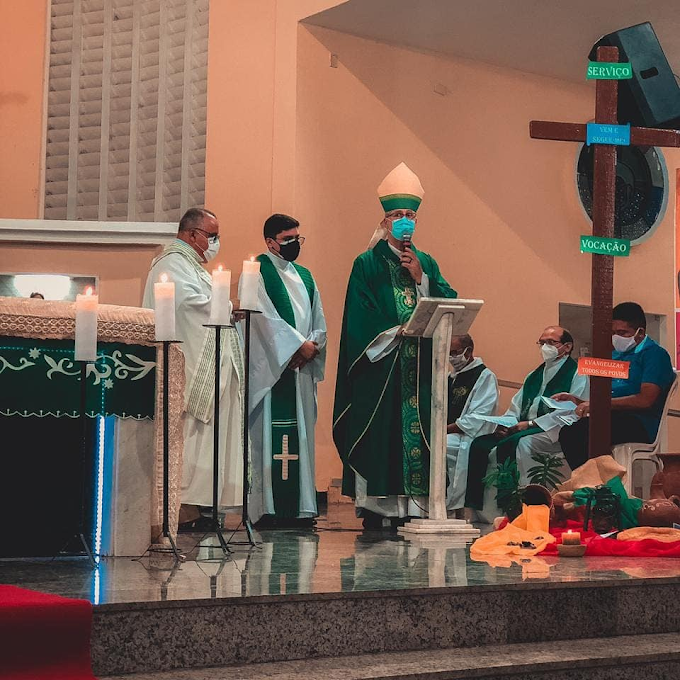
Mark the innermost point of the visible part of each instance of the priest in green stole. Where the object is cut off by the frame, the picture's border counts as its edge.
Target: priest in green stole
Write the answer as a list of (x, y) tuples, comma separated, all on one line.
[(537, 430), (287, 360), (381, 419)]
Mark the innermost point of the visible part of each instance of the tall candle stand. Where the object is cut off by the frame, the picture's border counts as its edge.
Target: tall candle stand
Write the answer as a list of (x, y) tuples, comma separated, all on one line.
[(215, 520), (165, 530), (245, 520)]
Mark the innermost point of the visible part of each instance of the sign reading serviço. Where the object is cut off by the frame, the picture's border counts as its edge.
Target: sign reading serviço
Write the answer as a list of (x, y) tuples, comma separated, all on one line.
[(601, 245), (604, 70), (606, 133), (603, 368)]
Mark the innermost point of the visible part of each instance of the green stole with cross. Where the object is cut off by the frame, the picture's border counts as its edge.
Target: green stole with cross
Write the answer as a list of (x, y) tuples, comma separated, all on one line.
[(482, 446), (285, 464)]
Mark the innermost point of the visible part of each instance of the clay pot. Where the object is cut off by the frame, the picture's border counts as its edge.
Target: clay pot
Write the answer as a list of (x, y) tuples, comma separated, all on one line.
[(536, 494), (671, 474), (660, 512)]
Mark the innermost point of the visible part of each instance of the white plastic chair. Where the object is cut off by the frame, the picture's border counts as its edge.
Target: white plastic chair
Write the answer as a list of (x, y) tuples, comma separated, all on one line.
[(626, 454)]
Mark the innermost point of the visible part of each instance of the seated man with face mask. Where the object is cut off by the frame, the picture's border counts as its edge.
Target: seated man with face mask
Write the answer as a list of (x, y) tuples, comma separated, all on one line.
[(473, 391), (637, 401), (537, 431)]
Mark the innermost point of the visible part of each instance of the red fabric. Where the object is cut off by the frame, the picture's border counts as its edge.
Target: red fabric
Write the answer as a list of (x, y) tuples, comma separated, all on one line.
[(43, 636), (596, 546)]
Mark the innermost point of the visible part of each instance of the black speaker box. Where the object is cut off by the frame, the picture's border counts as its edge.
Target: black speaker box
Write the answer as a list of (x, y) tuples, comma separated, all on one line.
[(652, 97)]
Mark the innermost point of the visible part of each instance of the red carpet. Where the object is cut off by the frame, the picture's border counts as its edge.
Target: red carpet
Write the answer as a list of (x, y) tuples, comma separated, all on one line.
[(610, 547), (43, 636)]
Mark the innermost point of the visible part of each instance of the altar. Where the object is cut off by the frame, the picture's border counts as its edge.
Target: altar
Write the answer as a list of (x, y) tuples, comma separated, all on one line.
[(40, 406)]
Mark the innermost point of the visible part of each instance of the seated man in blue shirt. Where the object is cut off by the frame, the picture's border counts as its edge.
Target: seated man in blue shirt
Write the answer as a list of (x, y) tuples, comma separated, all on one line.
[(638, 401)]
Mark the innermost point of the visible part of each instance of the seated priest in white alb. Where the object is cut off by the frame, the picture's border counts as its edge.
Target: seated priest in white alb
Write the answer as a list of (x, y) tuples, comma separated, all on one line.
[(287, 360), (182, 260), (537, 430), (473, 391)]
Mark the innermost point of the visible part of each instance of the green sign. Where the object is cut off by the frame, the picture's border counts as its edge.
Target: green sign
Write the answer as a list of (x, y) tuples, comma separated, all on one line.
[(603, 70), (617, 247)]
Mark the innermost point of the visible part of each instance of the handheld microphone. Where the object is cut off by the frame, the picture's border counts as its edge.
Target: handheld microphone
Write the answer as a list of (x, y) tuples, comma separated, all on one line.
[(405, 241)]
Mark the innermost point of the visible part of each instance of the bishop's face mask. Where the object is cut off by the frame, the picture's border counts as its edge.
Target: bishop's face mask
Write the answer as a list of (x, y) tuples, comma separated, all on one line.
[(403, 227)]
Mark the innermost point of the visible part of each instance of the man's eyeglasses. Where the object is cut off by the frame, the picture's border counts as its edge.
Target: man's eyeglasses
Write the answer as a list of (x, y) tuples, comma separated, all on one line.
[(552, 343), (292, 239), (398, 214), (212, 238)]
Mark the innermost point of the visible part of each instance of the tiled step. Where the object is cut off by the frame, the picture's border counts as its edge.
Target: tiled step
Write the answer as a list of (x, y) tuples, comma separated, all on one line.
[(656, 657)]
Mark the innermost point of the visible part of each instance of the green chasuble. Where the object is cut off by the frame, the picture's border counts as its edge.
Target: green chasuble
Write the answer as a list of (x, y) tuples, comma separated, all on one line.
[(381, 418), (285, 440)]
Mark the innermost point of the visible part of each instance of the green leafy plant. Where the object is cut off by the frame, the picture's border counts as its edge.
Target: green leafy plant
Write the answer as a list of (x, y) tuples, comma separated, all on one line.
[(505, 477), (548, 470)]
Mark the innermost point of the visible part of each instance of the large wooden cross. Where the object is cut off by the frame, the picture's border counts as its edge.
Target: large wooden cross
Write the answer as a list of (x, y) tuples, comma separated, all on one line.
[(602, 289)]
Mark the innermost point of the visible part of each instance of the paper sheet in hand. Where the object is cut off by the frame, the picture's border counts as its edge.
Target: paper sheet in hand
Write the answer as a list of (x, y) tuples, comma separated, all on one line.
[(559, 405), (503, 421)]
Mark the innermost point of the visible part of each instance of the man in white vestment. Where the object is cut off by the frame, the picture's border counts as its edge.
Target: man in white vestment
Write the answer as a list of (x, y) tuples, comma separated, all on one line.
[(537, 429), (182, 261), (473, 392), (287, 360)]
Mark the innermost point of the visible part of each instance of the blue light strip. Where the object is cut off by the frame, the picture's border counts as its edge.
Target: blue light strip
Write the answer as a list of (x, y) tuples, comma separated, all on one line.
[(99, 486)]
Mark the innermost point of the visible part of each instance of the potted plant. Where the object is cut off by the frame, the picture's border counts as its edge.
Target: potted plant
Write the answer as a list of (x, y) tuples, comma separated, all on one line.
[(505, 477), (543, 477)]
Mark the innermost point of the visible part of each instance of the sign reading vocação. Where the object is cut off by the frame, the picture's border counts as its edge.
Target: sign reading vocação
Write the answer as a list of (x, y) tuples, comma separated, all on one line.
[(601, 245), (604, 70), (606, 133)]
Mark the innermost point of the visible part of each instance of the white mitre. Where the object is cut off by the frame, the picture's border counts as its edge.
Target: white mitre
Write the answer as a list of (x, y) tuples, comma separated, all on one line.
[(400, 190)]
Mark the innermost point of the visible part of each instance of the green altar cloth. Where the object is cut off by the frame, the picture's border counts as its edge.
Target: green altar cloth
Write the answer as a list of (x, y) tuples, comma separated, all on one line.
[(40, 378)]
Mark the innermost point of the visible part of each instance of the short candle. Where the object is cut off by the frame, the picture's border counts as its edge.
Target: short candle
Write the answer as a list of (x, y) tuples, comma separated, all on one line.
[(250, 284), (571, 538), (164, 305), (220, 307)]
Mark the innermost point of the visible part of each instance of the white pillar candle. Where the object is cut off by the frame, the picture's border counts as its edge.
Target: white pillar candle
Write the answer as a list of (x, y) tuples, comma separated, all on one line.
[(220, 309), (86, 326), (164, 306), (250, 284)]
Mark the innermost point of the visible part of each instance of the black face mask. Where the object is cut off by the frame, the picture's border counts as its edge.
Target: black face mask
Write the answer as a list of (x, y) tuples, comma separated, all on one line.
[(289, 251)]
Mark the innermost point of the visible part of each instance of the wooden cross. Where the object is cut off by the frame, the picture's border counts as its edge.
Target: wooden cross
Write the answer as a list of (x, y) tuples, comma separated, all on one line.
[(602, 286), (285, 457)]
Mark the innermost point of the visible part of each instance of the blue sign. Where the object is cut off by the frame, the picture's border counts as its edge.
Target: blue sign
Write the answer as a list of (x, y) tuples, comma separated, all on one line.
[(605, 133)]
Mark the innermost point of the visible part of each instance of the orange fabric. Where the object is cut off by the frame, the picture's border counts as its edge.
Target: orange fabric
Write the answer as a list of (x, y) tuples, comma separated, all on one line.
[(663, 534), (531, 526)]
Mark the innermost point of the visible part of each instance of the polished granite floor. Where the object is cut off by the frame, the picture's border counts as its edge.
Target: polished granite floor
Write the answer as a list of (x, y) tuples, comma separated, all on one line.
[(335, 557)]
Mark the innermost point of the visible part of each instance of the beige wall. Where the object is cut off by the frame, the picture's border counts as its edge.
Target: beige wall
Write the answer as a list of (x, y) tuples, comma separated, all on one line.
[(22, 55)]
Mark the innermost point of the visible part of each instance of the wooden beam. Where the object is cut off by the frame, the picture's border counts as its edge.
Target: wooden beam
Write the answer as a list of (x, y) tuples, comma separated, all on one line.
[(576, 132)]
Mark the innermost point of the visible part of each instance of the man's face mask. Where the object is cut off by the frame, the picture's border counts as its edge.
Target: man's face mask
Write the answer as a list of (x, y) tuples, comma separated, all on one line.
[(549, 353), (213, 248), (403, 227), (623, 344), (290, 250), (459, 361)]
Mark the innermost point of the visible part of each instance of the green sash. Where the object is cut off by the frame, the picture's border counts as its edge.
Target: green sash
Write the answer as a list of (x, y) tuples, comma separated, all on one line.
[(415, 467), (505, 448), (285, 464)]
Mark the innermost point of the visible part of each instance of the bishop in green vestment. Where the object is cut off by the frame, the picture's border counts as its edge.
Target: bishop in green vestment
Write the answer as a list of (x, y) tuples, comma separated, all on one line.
[(381, 419)]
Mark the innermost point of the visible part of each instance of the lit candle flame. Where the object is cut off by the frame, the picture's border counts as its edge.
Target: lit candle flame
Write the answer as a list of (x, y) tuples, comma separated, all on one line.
[(569, 531), (220, 268), (252, 258), (164, 278), (89, 290)]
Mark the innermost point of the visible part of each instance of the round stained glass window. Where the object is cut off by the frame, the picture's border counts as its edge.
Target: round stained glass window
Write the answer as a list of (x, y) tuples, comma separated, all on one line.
[(641, 189)]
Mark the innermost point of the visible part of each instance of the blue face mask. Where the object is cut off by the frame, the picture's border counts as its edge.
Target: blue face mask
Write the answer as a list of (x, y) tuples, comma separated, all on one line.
[(403, 227)]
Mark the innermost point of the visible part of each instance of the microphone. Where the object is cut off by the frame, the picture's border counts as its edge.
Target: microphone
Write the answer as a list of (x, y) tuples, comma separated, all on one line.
[(405, 241)]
